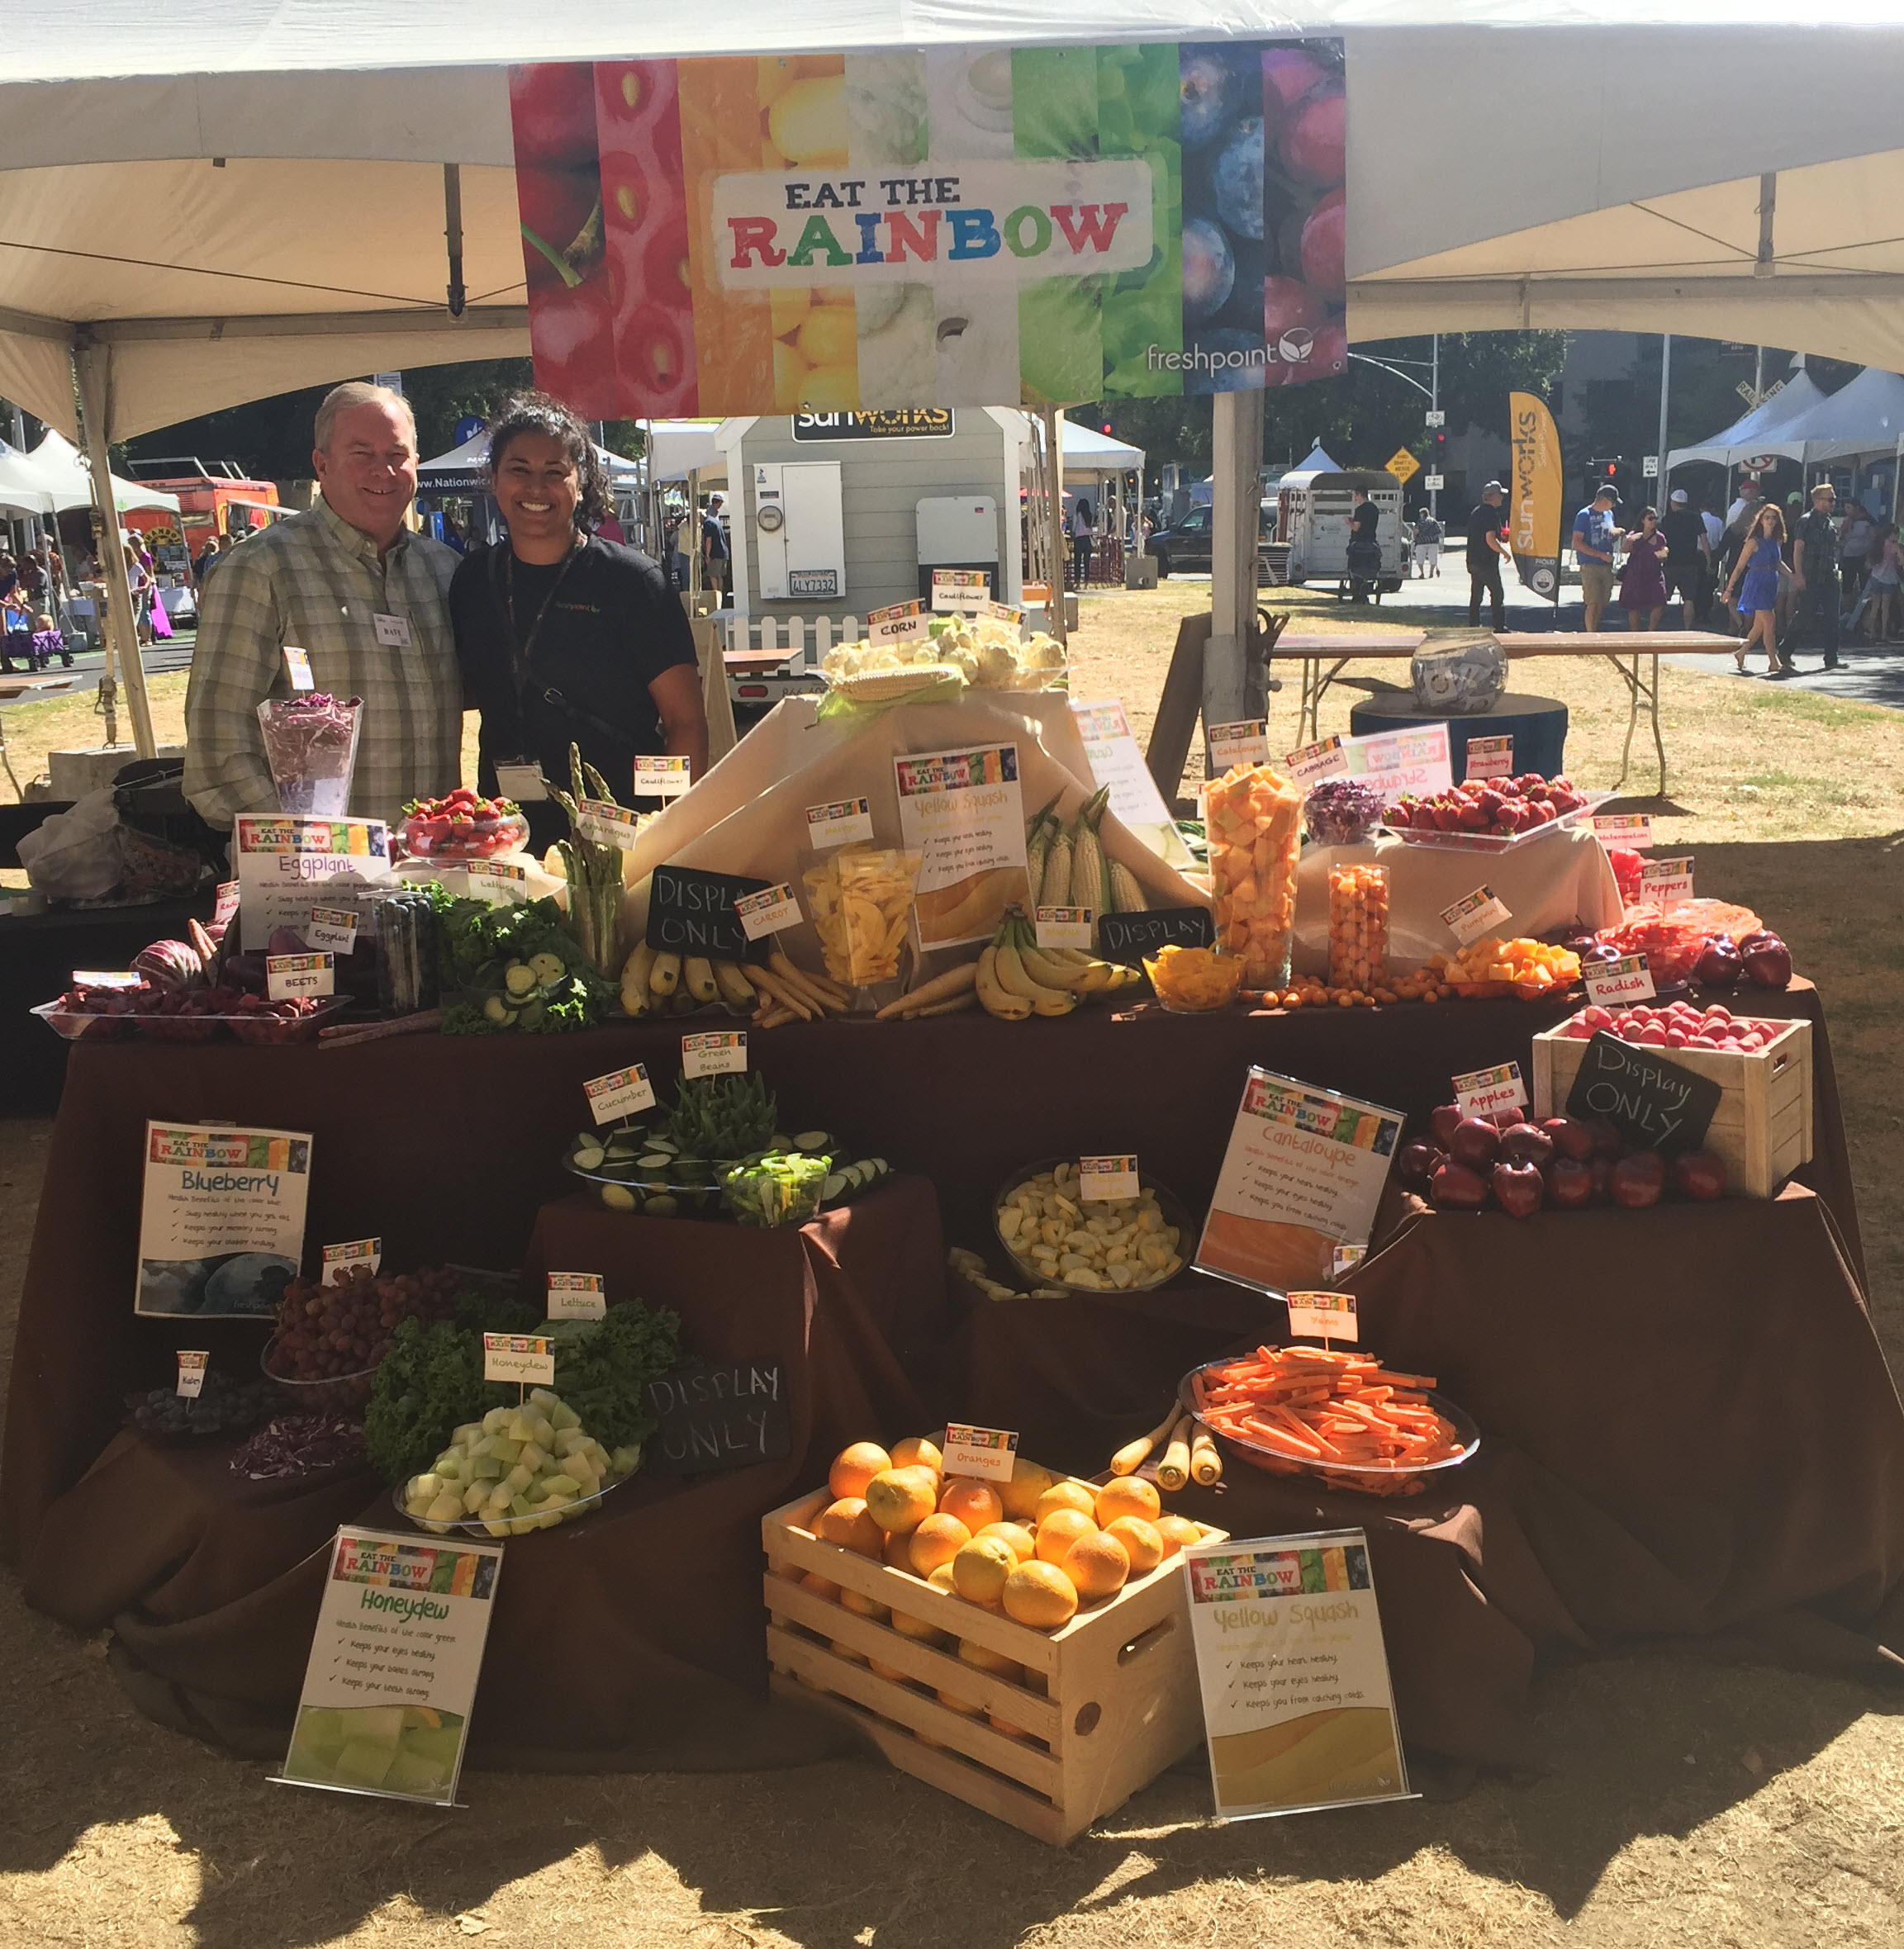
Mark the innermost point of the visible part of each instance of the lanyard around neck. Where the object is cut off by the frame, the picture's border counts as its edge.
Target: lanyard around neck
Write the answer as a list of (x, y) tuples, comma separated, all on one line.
[(520, 647)]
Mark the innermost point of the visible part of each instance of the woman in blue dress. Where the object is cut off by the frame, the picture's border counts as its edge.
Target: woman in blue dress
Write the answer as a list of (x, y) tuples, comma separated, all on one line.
[(1758, 563)]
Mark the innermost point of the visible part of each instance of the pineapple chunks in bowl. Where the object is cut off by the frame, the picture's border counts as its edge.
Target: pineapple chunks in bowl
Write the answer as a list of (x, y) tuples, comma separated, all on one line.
[(517, 1469)]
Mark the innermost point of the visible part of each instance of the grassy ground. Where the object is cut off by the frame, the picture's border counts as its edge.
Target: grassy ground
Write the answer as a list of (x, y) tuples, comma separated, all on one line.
[(1697, 1798)]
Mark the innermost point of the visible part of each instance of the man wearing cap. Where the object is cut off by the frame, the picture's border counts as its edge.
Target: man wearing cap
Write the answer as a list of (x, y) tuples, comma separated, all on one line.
[(1686, 576), (1486, 550), (714, 551), (1815, 569), (1596, 540)]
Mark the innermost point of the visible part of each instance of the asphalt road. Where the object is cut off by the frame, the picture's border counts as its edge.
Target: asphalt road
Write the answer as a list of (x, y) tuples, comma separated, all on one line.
[(157, 658)]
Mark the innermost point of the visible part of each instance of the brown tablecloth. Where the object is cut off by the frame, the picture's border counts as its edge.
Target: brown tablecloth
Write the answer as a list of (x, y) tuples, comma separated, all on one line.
[(964, 1100), (212, 1583)]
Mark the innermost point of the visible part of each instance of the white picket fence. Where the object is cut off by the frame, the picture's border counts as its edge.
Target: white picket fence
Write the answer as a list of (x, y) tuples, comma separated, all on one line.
[(786, 632)]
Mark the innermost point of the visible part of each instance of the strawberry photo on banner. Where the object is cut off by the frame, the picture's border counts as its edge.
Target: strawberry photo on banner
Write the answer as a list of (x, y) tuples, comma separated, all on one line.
[(961, 226)]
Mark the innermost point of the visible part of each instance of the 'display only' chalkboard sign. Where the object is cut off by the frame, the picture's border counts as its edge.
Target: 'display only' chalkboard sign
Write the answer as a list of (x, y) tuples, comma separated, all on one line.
[(1129, 938), (727, 1416), (690, 911), (1646, 1098)]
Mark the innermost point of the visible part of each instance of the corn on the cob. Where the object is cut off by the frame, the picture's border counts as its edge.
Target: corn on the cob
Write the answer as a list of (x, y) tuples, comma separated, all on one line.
[(1087, 867), (1056, 890), (1126, 894)]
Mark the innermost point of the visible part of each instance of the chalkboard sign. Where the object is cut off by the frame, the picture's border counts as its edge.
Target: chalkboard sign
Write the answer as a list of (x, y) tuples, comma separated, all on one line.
[(692, 913), (1129, 938), (1646, 1098), (730, 1416)]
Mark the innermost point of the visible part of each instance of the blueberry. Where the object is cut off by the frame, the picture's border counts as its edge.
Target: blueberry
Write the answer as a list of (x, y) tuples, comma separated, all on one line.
[(1239, 180), (1245, 374), (1209, 269), (1208, 91)]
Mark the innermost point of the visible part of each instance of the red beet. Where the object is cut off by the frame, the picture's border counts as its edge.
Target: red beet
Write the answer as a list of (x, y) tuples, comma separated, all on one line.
[(1518, 1188), (1700, 1174), (1456, 1188), (1570, 1138), (1525, 1143), (1569, 1182), (1476, 1143), (1637, 1181)]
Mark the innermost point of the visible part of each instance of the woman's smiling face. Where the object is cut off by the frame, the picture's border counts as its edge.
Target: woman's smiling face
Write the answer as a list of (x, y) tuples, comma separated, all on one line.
[(537, 488)]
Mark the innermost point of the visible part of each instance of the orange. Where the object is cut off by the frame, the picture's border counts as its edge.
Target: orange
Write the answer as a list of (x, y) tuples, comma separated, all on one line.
[(908, 1626), (987, 1660), (974, 1503), (1039, 1594), (959, 1704), (981, 1568), (820, 1586), (847, 1524), (791, 1572), (891, 1672), (1059, 1531), (1023, 1547), (847, 1652), (938, 1541), (1097, 1565), (941, 1579), (1178, 1532), (1123, 1496), (915, 1451), (898, 1551), (1142, 1544), (899, 1500), (1020, 1495), (1000, 1725), (853, 1467), (1067, 1496), (865, 1606)]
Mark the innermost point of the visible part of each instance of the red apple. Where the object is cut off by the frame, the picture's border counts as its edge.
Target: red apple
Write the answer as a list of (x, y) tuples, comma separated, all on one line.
[(1768, 960), (1700, 1174), (1441, 1121), (1525, 1143), (1569, 1182), (1456, 1188), (1570, 1139), (1419, 1161), (1718, 965), (1637, 1181), (1476, 1143), (1519, 1189)]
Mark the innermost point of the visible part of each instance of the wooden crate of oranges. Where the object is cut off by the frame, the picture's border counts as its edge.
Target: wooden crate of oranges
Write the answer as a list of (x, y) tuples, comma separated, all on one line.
[(1022, 1645)]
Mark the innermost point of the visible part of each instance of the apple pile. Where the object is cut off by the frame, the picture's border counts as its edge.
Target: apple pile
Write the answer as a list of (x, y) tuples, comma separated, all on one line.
[(1468, 1162), (1500, 807), (1679, 1025)]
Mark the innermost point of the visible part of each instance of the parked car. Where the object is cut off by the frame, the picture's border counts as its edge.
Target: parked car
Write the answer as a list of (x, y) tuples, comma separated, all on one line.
[(1185, 545)]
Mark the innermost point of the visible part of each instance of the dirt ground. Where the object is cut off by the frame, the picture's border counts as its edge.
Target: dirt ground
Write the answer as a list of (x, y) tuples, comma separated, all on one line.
[(1696, 1796)]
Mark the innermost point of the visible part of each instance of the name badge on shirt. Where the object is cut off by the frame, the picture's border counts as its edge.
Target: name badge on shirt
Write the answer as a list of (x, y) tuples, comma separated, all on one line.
[(392, 632), (520, 779)]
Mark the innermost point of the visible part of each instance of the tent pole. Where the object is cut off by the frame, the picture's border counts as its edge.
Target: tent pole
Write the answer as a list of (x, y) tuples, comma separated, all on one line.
[(1237, 457), (93, 374), (1055, 617), (1665, 383)]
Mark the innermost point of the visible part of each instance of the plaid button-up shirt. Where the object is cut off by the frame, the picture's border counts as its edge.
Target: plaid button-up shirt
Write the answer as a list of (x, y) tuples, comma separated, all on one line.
[(313, 580)]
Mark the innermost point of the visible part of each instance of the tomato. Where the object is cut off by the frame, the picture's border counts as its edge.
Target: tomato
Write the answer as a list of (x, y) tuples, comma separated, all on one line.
[(551, 112)]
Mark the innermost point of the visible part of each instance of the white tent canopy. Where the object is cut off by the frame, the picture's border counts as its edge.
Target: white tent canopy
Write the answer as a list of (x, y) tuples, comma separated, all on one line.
[(20, 491), (1762, 430), (1865, 416), (1089, 452), (679, 448), (231, 198), (467, 467), (1319, 462), (58, 470)]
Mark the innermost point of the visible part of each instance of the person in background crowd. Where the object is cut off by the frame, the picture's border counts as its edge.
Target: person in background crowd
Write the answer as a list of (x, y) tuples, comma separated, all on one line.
[(1685, 537), (1880, 596), (13, 620), (610, 527), (48, 642), (563, 638), (1364, 551), (1815, 569), (347, 581), (1643, 587), (1758, 566), (215, 548), (1487, 547), (1083, 535), (1856, 534), (1427, 546), (141, 581), (1715, 543), (714, 554), (1596, 540)]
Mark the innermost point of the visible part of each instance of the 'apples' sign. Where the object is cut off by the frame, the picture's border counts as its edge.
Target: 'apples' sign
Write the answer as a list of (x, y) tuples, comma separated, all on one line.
[(1646, 1098)]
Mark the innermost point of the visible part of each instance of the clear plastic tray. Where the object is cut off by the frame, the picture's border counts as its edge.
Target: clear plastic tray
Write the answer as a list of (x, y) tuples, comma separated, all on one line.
[(1497, 842), (1174, 1212), (1189, 1397), (516, 1525), (260, 1029), (336, 1394)]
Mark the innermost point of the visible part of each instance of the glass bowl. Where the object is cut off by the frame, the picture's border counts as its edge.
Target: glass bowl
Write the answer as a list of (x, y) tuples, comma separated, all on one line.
[(500, 1526), (336, 1394), (70, 1024), (1223, 971), (1175, 1213), (476, 839)]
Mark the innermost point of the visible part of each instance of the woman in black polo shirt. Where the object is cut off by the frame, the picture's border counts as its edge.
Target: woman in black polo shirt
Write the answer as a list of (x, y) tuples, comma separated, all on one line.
[(564, 638)]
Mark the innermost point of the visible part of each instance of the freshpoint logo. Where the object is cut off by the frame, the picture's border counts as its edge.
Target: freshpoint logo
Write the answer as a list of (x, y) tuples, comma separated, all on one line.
[(1294, 347)]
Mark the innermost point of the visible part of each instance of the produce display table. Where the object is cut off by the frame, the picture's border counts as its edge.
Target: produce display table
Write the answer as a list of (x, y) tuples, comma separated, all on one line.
[(213, 1593), (1538, 726)]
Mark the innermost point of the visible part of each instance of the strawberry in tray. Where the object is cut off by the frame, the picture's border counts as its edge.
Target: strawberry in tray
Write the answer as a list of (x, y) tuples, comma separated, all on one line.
[(463, 826), (1498, 807)]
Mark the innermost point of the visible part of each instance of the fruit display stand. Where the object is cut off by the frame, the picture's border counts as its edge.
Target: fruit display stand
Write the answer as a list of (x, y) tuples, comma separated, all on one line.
[(1763, 1127), (1111, 1699)]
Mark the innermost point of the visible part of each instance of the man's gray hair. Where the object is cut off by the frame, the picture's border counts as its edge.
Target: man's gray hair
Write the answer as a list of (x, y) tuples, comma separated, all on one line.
[(356, 392)]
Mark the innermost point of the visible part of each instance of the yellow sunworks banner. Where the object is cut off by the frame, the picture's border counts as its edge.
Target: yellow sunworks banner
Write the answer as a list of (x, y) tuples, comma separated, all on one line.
[(1534, 495)]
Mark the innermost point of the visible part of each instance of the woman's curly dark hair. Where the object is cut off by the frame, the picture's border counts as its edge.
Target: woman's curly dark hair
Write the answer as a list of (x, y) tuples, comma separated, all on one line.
[(538, 413)]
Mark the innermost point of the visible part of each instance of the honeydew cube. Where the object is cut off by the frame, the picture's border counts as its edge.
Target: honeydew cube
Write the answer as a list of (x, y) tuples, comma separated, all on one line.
[(519, 1477), (495, 1421), (565, 1486), (475, 1498), (417, 1507), (533, 1456), (486, 1468), (516, 1428), (448, 1467), (444, 1509), (470, 1431), (425, 1485), (564, 1417), (519, 1506), (626, 1459), (549, 1519), (507, 1450), (500, 1497), (544, 1398), (521, 1526), (496, 1528), (568, 1440)]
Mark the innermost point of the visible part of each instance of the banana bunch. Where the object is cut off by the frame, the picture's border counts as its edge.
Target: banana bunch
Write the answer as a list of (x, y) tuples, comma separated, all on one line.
[(1066, 866), (1016, 978), (655, 982)]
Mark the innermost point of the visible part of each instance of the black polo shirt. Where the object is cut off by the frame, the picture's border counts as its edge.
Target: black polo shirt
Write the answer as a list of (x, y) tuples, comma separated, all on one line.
[(1483, 521), (608, 627)]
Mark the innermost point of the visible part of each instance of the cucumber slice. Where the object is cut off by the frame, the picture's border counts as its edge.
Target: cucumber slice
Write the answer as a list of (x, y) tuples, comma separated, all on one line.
[(655, 1160), (660, 1206), (587, 1157), (833, 1187), (618, 1197), (814, 1142)]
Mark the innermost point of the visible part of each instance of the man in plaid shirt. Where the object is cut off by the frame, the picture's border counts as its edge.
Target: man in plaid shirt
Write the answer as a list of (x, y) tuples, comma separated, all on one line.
[(349, 585)]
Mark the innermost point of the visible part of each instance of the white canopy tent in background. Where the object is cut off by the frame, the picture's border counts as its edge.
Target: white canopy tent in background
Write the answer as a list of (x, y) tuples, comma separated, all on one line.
[(1759, 431), (57, 466), (466, 467), (1317, 462), (20, 492), (225, 199), (1865, 415), (679, 448)]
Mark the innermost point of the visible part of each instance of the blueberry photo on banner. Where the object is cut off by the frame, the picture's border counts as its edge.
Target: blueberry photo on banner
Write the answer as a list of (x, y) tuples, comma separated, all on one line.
[(956, 227)]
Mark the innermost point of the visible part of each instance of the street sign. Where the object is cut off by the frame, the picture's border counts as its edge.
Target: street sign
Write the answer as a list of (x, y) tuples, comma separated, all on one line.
[(1649, 467), (1432, 482), (1404, 464), (1437, 418)]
